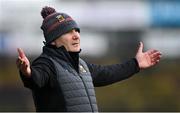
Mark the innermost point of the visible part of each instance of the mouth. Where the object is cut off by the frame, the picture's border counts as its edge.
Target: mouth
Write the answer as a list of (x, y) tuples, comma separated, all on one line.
[(75, 44)]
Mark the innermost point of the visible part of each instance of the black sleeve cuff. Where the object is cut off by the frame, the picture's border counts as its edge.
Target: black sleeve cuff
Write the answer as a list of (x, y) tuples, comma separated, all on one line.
[(137, 68), (27, 81)]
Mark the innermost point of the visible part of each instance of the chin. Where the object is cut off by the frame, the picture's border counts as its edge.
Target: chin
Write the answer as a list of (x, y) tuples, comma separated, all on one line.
[(75, 50)]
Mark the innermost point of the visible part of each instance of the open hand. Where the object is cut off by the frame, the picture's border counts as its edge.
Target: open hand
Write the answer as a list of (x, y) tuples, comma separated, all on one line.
[(23, 63), (148, 58)]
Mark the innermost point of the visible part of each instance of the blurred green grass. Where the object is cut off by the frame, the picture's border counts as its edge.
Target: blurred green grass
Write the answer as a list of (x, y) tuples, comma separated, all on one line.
[(153, 89)]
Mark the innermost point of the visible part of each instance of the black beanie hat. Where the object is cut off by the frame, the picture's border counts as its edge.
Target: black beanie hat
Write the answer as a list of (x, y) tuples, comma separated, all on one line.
[(56, 24)]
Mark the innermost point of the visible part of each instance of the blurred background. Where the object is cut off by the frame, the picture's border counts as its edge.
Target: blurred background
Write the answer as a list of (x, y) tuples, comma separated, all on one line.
[(110, 33)]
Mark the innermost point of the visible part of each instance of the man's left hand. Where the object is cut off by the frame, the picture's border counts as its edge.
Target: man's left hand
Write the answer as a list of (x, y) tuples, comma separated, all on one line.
[(148, 58)]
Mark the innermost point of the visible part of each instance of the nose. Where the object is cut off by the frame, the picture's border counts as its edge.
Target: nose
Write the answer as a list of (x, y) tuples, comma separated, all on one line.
[(75, 34)]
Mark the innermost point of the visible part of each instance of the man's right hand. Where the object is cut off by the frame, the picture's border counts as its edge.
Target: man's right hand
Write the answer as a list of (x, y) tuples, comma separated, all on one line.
[(23, 63)]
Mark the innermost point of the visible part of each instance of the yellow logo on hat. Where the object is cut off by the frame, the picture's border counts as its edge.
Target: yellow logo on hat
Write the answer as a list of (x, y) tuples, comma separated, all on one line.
[(60, 18)]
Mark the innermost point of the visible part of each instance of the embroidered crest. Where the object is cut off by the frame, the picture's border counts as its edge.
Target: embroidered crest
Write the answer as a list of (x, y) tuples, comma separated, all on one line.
[(60, 18), (81, 68)]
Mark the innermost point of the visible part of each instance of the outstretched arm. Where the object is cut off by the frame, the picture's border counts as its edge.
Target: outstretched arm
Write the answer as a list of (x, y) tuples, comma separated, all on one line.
[(105, 75), (148, 58), (35, 75)]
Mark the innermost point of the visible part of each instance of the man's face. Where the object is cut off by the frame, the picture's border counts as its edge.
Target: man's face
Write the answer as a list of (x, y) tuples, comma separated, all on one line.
[(70, 40)]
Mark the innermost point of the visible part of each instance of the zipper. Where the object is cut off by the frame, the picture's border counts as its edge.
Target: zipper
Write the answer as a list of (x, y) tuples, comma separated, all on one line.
[(84, 86), (87, 93)]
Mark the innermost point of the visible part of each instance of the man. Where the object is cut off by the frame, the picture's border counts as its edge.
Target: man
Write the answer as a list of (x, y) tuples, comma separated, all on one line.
[(60, 80)]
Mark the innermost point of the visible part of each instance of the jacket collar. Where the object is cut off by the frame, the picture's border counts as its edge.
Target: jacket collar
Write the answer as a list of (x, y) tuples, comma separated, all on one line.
[(62, 54)]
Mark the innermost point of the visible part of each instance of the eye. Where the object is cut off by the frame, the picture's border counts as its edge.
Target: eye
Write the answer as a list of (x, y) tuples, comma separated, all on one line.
[(69, 32), (77, 30)]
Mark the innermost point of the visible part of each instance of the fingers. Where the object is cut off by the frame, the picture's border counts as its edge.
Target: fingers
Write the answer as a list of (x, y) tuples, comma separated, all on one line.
[(21, 52), (21, 64), (140, 49), (154, 53), (155, 62), (151, 51), (21, 61), (155, 56)]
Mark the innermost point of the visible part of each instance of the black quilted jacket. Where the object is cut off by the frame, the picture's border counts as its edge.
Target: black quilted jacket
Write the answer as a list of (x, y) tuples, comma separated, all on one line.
[(61, 81)]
